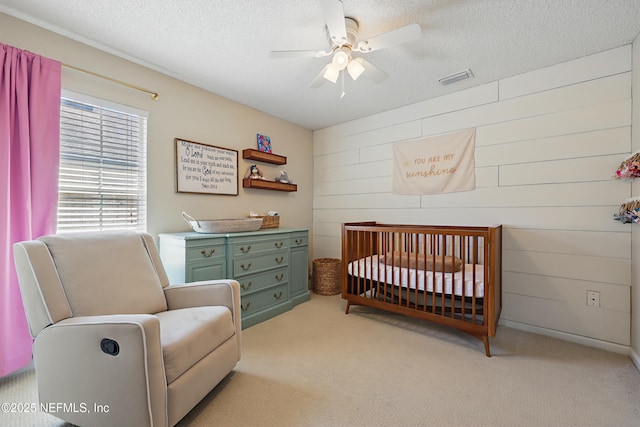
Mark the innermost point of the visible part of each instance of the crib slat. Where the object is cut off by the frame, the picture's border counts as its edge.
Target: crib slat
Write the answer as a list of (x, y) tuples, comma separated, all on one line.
[(453, 278), (473, 277)]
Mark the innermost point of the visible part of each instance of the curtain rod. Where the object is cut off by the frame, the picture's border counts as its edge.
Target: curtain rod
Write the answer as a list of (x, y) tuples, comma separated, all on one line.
[(154, 95)]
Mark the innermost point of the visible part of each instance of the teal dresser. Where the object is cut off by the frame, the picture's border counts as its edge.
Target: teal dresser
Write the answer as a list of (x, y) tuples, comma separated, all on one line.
[(271, 265)]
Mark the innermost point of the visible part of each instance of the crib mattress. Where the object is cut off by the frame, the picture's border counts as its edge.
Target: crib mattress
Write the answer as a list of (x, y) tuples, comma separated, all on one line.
[(374, 268)]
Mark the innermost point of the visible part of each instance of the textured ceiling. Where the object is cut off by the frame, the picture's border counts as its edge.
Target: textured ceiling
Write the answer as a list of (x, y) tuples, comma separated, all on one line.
[(223, 46)]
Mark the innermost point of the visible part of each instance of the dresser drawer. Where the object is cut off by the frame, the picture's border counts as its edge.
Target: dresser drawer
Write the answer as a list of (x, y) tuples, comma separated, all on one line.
[(246, 266), (260, 281), (249, 247), (205, 252), (256, 301), (299, 240)]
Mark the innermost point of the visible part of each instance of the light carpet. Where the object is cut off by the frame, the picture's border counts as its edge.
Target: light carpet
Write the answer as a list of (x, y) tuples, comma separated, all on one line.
[(316, 366)]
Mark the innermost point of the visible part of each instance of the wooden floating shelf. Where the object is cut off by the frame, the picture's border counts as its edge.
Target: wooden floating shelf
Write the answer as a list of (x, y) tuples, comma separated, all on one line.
[(261, 156), (263, 184)]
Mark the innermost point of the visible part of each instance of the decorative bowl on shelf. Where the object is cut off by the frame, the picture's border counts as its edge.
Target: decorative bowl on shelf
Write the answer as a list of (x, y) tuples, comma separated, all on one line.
[(215, 226)]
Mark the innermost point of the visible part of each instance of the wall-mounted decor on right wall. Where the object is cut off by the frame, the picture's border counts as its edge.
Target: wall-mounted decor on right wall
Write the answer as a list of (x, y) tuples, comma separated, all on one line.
[(438, 164), (629, 210), (630, 168)]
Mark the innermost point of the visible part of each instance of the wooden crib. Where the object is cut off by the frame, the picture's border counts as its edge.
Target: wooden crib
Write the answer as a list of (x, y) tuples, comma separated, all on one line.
[(445, 274)]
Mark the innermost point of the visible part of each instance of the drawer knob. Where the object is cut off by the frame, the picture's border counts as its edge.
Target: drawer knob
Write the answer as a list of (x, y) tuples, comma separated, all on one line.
[(279, 260), (298, 241), (245, 308), (278, 296), (245, 268), (245, 251), (204, 252), (279, 244), (246, 287), (279, 276)]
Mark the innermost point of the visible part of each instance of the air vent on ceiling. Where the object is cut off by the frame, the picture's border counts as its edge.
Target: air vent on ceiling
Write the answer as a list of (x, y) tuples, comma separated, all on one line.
[(456, 77)]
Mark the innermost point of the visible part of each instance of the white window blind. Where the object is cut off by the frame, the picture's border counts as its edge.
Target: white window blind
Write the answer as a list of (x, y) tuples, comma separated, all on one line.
[(103, 174)]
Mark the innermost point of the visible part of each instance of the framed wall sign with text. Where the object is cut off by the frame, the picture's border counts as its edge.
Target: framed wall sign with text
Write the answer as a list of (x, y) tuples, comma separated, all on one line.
[(205, 169)]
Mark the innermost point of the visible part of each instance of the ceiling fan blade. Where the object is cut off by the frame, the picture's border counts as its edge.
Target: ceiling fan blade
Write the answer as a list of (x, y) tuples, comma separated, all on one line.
[(319, 80), (298, 53), (372, 72), (333, 14), (391, 38)]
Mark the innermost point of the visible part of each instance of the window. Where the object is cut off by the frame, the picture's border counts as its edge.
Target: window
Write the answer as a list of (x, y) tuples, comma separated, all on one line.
[(103, 155)]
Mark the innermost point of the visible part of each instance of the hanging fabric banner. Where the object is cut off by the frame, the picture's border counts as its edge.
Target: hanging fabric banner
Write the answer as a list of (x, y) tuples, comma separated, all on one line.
[(439, 164)]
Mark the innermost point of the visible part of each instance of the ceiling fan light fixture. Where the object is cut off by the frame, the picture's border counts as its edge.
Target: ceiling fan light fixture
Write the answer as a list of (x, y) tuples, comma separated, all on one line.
[(340, 59), (331, 73), (355, 68), (456, 77)]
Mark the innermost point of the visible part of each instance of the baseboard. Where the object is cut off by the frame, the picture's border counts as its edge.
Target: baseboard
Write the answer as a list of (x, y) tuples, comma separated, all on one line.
[(589, 342), (635, 358)]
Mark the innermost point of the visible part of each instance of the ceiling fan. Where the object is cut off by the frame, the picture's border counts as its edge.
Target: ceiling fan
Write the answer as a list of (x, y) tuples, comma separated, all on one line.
[(343, 35)]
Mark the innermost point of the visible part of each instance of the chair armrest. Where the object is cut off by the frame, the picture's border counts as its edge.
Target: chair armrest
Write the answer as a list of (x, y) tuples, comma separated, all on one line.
[(73, 367), (209, 292)]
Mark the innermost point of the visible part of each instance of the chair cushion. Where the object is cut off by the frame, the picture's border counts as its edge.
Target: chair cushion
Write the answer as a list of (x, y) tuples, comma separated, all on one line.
[(106, 273), (189, 334)]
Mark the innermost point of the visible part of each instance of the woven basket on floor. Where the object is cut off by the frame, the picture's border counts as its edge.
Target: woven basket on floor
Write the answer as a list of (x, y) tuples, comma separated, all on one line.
[(326, 276)]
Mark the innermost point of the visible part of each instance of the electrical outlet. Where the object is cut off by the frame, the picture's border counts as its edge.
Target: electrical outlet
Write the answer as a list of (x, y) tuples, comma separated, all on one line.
[(593, 299)]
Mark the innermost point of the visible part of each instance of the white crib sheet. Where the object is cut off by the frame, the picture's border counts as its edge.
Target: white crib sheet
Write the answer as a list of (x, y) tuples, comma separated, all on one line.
[(370, 267)]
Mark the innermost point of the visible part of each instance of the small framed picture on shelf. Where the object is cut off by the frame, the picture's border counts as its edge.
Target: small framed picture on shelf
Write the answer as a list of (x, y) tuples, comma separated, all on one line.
[(264, 143)]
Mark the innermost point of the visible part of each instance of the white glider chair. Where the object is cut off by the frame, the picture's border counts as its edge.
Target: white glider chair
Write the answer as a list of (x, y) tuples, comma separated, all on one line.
[(115, 344)]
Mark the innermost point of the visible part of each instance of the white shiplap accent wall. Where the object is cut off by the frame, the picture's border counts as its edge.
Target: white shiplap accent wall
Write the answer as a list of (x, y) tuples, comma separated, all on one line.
[(547, 144)]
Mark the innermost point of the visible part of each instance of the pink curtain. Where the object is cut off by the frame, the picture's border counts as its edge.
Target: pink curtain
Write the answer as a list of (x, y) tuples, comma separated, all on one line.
[(29, 158)]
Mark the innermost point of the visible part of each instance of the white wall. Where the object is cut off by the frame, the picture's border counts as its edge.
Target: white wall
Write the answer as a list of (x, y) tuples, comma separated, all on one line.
[(187, 112), (635, 235), (547, 145)]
